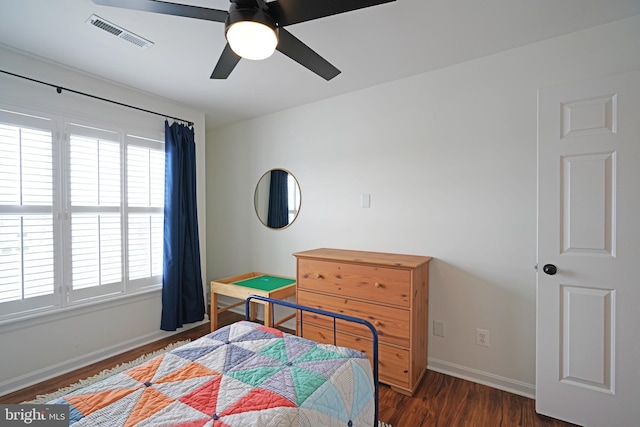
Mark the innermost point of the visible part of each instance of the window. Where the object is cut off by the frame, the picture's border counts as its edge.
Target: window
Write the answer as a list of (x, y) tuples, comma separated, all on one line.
[(145, 196), (27, 232), (81, 213)]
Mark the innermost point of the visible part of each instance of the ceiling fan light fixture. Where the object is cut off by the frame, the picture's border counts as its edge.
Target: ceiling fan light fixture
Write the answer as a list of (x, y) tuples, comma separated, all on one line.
[(251, 33)]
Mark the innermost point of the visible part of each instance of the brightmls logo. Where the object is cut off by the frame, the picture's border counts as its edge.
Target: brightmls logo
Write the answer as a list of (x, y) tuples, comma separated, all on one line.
[(34, 415)]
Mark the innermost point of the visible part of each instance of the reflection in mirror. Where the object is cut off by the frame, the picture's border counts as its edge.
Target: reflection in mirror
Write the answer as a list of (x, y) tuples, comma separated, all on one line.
[(277, 198)]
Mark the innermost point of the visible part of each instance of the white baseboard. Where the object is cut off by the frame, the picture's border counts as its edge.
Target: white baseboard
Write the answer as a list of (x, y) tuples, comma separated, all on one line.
[(53, 371), (484, 378)]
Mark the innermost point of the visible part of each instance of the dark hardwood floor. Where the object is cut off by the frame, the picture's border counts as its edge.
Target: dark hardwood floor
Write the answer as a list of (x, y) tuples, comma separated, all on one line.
[(445, 401), (441, 400)]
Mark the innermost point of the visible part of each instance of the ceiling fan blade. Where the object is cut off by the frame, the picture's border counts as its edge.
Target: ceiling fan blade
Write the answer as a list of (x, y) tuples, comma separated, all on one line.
[(288, 12), (167, 8), (246, 3), (305, 56), (227, 62)]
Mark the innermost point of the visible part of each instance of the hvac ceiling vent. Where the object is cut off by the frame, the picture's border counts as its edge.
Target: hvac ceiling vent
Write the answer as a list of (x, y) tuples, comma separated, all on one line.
[(119, 32)]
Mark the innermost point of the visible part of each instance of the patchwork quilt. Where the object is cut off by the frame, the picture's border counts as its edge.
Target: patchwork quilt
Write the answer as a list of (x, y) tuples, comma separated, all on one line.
[(244, 375)]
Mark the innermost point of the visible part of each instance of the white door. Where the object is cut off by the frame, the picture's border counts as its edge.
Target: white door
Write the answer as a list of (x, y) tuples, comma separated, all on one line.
[(588, 312)]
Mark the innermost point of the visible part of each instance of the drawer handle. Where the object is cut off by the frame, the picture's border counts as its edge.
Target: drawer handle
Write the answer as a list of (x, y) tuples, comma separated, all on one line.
[(319, 276), (378, 285), (377, 323)]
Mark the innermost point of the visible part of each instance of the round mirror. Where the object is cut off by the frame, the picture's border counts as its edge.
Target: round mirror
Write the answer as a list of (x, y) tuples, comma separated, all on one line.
[(277, 198)]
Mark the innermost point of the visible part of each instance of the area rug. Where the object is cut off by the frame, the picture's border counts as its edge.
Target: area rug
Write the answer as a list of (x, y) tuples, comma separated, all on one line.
[(43, 398)]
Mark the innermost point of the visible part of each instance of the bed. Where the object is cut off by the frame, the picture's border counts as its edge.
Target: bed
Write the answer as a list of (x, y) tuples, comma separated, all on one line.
[(241, 375)]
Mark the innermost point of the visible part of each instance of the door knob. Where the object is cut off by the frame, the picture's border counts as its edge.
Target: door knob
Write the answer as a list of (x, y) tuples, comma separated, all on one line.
[(550, 269)]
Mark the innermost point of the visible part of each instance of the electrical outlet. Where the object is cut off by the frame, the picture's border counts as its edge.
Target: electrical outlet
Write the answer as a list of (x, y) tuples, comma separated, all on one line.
[(483, 337), (438, 328)]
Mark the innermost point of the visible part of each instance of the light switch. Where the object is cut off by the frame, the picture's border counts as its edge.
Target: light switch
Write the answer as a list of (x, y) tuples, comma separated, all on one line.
[(366, 200)]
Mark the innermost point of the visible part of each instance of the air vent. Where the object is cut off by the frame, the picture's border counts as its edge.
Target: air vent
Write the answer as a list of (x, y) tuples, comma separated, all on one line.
[(119, 32)]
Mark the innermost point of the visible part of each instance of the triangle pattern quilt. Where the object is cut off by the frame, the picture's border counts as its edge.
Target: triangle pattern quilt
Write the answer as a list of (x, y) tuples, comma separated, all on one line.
[(242, 375)]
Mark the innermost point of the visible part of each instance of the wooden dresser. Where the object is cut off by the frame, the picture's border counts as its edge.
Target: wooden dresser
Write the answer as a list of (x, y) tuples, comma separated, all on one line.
[(389, 290)]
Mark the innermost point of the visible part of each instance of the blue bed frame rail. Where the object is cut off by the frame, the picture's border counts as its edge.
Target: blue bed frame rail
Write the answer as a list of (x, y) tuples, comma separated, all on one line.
[(334, 316)]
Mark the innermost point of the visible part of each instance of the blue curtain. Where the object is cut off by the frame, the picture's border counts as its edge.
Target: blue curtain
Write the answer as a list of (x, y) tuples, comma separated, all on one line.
[(278, 214), (182, 295)]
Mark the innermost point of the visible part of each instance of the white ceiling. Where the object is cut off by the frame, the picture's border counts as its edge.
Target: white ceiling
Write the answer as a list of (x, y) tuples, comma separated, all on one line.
[(370, 46)]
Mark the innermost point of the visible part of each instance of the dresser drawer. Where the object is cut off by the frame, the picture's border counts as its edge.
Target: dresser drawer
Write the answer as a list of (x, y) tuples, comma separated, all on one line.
[(366, 282), (393, 362), (391, 323)]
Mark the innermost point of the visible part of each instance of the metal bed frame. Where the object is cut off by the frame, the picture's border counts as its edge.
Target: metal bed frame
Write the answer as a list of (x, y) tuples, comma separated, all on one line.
[(334, 316)]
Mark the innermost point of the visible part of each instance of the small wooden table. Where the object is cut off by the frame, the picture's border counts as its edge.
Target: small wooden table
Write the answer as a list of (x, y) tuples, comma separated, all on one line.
[(243, 285)]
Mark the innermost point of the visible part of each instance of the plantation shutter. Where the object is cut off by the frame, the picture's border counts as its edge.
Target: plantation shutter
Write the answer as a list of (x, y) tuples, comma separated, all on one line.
[(95, 209), (81, 213), (27, 229), (145, 207)]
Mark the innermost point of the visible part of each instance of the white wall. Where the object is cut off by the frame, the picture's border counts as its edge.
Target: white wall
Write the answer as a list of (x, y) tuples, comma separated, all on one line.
[(42, 347), (449, 158)]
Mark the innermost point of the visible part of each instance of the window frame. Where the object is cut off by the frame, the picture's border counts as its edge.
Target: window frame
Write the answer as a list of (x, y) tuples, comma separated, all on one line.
[(63, 296), (148, 142), (30, 119)]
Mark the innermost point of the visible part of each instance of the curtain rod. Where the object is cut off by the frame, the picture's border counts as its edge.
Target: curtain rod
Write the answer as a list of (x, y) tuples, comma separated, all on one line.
[(59, 89)]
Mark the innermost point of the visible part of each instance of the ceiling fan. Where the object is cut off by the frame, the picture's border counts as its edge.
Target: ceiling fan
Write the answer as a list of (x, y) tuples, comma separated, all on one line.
[(250, 24)]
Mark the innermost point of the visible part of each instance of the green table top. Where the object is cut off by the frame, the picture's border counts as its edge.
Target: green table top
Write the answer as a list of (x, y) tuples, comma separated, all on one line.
[(265, 283)]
